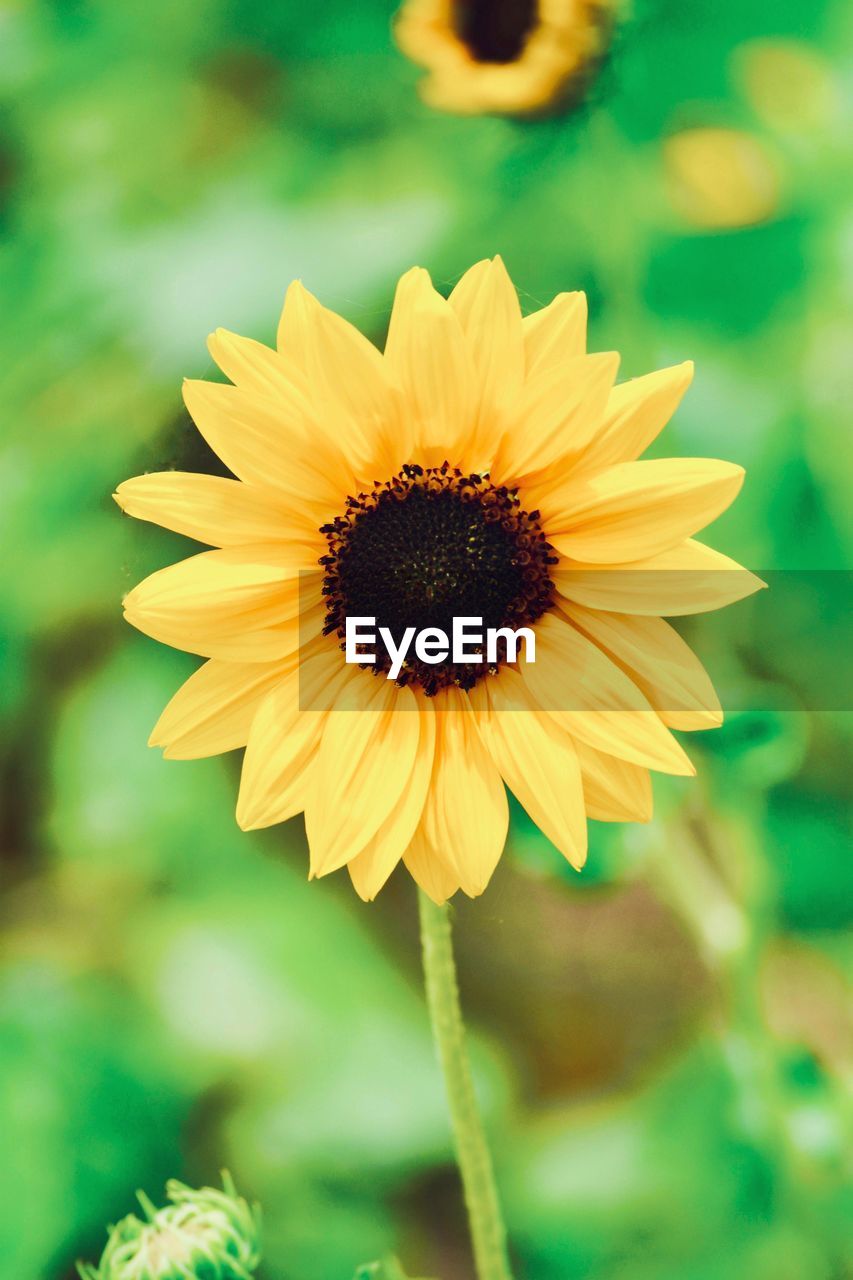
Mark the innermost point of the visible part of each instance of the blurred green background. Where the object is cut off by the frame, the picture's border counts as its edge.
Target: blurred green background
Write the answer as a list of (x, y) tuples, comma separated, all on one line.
[(663, 1042)]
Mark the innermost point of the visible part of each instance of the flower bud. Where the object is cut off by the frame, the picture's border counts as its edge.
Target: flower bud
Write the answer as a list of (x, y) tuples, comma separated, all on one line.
[(199, 1235)]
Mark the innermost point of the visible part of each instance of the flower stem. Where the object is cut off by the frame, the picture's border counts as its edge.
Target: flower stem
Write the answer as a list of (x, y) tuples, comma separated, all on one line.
[(488, 1234)]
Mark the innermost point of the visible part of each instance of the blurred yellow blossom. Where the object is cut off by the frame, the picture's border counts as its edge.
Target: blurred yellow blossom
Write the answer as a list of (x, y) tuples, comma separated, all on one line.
[(721, 178), (509, 57), (789, 85)]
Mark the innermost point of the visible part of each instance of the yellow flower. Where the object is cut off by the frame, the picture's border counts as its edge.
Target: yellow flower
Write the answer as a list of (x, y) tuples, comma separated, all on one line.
[(510, 57), (485, 466), (721, 178)]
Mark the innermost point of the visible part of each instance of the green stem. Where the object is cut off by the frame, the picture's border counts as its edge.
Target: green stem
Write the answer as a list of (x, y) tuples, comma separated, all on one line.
[(488, 1234)]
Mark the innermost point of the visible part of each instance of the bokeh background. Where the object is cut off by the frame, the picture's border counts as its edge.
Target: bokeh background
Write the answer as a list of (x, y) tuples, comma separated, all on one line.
[(662, 1043)]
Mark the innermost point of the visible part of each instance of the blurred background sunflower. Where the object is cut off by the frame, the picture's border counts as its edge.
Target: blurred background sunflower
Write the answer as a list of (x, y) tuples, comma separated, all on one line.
[(662, 1043)]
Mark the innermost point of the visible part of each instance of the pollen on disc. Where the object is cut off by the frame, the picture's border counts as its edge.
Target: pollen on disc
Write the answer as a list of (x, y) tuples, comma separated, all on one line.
[(431, 544)]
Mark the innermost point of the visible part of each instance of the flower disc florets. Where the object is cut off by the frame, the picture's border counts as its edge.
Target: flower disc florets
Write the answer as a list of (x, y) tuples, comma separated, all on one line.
[(495, 32), (429, 545), (200, 1235)]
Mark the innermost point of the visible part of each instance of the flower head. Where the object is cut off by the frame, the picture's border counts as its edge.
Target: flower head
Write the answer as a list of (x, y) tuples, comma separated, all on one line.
[(200, 1235), (508, 57), (720, 178), (485, 466)]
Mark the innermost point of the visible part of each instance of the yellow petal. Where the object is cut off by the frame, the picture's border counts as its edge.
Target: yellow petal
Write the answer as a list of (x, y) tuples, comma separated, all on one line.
[(614, 790), (258, 585), (487, 306), (637, 509), (466, 815), (349, 384), (273, 445), (428, 357), (284, 739), (364, 766), (689, 578), (636, 413), (258, 369), (596, 702), (268, 644), (371, 868), (554, 418), (659, 662), (429, 869), (213, 710), (265, 645), (223, 513), (536, 758), (223, 594), (555, 335)]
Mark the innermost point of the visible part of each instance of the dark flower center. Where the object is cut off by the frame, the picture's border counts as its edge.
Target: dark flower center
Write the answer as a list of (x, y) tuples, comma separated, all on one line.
[(495, 30), (428, 546)]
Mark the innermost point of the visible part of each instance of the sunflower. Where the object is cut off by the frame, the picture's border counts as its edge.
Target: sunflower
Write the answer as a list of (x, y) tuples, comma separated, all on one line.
[(483, 465), (509, 57)]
